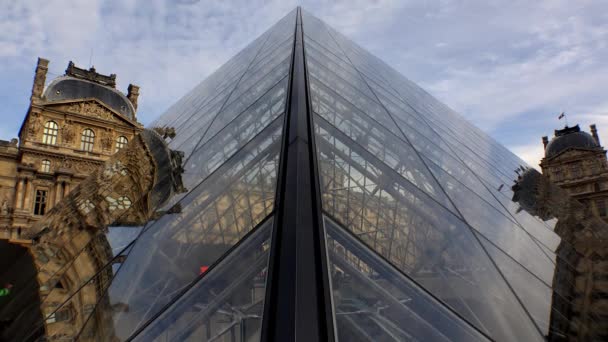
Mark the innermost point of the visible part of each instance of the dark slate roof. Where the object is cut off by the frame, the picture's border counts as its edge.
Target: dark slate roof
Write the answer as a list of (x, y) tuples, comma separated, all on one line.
[(70, 88), (569, 137)]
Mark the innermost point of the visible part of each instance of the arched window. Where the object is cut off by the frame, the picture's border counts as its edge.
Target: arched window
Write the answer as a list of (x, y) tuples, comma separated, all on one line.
[(49, 135), (121, 142), (87, 140), (40, 203), (45, 166), (122, 203)]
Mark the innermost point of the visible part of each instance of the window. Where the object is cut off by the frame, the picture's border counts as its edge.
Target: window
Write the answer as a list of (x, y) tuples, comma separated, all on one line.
[(59, 316), (601, 207), (49, 135), (557, 172), (575, 171), (40, 204), (121, 142), (87, 140), (121, 203), (45, 166), (86, 206)]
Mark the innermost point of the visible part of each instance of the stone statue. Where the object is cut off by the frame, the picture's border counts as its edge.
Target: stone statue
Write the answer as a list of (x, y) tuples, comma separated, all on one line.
[(177, 170), (165, 132), (67, 133), (34, 126), (106, 141), (5, 209), (583, 252)]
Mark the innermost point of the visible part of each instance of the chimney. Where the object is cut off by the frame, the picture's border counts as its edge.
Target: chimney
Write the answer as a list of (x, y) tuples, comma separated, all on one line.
[(545, 141), (594, 134), (40, 77), (133, 94)]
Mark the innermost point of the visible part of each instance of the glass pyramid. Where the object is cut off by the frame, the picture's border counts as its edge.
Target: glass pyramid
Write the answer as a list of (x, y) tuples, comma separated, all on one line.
[(330, 198)]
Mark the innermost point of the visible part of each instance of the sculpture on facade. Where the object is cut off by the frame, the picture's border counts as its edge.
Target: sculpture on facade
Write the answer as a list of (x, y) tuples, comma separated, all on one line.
[(126, 191), (578, 288)]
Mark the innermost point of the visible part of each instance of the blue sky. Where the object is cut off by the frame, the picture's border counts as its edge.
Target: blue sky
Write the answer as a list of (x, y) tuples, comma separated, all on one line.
[(508, 66)]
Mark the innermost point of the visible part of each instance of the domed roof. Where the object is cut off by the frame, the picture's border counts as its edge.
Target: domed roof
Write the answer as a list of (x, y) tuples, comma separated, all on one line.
[(71, 88), (569, 137)]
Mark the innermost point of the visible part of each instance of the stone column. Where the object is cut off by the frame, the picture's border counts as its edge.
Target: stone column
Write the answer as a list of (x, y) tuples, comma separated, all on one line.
[(27, 205), (66, 189), (58, 193), (19, 194)]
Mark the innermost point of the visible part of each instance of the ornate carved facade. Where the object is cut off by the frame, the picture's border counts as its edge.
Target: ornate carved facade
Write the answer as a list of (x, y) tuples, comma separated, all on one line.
[(70, 248), (580, 289), (574, 190), (72, 126), (575, 161)]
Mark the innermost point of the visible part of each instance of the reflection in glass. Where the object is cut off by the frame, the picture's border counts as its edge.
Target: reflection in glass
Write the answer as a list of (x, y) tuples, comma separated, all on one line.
[(79, 291), (226, 303), (417, 235), (373, 137), (533, 293), (215, 215), (499, 229), (374, 302), (236, 133)]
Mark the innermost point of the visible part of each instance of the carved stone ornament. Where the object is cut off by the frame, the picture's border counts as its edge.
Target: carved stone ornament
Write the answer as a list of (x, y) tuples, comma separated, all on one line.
[(85, 167), (165, 132), (91, 109), (66, 163), (106, 140), (34, 125), (67, 132), (5, 209)]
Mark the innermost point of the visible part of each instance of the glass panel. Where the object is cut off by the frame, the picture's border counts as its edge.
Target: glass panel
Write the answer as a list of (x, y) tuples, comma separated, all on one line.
[(531, 224), (438, 157), (382, 145), (207, 158), (77, 292), (190, 133), (316, 29), (269, 105), (496, 227), (225, 76), (322, 52), (235, 118), (418, 236), (120, 237), (375, 302), (193, 113), (226, 302), (325, 101), (535, 295), (214, 216), (268, 58), (211, 93), (243, 97), (338, 67), (252, 87)]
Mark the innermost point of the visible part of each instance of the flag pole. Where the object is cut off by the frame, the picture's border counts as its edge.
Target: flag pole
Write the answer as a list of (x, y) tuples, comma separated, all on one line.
[(563, 115)]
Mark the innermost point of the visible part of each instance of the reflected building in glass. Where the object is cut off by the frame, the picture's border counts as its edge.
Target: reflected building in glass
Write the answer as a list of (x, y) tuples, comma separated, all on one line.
[(330, 198)]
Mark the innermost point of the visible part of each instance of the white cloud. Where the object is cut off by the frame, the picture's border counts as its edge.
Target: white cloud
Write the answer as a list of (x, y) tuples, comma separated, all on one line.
[(500, 64), (530, 153)]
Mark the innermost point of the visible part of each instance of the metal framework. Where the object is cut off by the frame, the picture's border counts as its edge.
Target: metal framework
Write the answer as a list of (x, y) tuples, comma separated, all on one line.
[(329, 199), (298, 305)]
